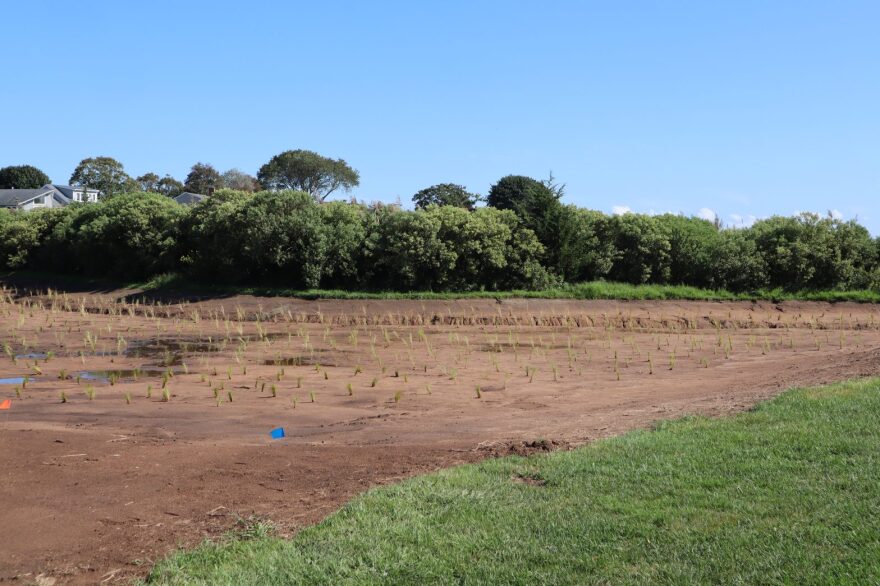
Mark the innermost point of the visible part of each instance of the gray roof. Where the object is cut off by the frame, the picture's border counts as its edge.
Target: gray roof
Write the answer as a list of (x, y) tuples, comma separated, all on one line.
[(67, 190), (187, 198), (10, 198)]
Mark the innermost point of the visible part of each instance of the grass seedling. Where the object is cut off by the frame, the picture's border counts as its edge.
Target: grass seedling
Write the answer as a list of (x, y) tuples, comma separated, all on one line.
[(299, 382), (350, 390), (127, 398), (166, 395), (90, 392), (274, 391), (479, 394), (312, 396), (149, 391), (63, 396), (374, 382), (397, 396), (229, 396)]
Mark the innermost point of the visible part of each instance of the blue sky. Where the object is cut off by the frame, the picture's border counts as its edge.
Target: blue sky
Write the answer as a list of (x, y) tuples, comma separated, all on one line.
[(744, 108)]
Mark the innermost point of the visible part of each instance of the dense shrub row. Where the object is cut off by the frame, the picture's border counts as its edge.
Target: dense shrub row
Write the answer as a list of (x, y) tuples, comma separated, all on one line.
[(286, 238)]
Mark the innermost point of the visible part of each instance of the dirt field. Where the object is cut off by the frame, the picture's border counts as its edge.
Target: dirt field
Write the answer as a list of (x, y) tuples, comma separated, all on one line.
[(143, 428)]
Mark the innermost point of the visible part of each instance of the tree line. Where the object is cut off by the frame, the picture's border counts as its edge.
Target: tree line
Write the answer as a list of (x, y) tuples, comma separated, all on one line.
[(302, 170), (524, 237)]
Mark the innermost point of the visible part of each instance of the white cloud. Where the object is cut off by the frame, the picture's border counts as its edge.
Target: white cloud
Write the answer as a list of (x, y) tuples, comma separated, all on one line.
[(707, 214), (620, 210)]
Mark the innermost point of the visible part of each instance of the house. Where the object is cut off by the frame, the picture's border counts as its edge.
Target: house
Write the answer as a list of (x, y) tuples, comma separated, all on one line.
[(48, 196), (190, 199), (77, 194)]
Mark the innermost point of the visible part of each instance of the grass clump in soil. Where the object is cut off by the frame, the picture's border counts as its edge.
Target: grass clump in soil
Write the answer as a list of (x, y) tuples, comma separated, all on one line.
[(786, 493)]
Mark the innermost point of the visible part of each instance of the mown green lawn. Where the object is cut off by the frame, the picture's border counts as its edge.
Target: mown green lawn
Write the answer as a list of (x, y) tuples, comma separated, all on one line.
[(786, 494)]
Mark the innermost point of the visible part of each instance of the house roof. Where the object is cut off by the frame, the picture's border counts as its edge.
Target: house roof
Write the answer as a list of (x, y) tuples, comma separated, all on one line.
[(10, 198), (187, 198), (67, 190)]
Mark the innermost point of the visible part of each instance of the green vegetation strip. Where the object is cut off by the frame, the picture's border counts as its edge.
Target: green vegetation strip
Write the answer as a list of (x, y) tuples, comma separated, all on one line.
[(171, 283), (591, 290), (786, 493)]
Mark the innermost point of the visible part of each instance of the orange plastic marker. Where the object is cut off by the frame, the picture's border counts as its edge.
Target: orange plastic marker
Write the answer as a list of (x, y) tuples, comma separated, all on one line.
[(5, 405)]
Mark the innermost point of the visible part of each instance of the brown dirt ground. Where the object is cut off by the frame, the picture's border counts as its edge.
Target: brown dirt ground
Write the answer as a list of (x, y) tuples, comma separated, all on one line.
[(97, 490)]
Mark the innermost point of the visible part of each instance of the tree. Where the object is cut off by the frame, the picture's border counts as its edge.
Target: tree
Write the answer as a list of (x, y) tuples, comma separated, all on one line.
[(527, 197), (309, 172), (22, 177), (239, 181), (692, 242), (148, 182), (737, 264), (105, 174), (536, 203), (642, 250), (202, 178), (446, 194), (169, 186), (584, 246)]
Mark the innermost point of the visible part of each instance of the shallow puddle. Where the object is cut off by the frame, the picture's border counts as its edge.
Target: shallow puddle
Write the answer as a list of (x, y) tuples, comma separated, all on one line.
[(169, 352), (15, 380), (117, 375), (32, 356)]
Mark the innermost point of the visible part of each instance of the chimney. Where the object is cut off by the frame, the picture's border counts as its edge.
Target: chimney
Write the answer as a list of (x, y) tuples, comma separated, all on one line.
[(210, 192)]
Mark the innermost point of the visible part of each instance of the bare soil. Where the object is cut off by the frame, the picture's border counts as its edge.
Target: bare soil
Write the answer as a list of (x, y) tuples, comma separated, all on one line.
[(368, 392)]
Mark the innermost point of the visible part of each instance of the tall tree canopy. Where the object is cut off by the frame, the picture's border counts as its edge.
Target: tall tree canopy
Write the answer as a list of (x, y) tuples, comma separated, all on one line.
[(202, 178), (169, 186), (446, 194), (308, 171), (105, 174), (239, 180), (148, 182), (536, 203), (22, 177)]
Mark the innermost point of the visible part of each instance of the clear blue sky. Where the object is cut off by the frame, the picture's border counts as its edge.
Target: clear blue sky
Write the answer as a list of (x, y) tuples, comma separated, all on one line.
[(746, 108)]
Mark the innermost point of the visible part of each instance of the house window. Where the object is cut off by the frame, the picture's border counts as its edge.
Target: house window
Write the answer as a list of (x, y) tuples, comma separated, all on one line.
[(40, 200)]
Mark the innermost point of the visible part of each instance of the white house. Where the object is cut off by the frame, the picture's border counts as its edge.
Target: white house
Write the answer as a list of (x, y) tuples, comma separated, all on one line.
[(48, 196)]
